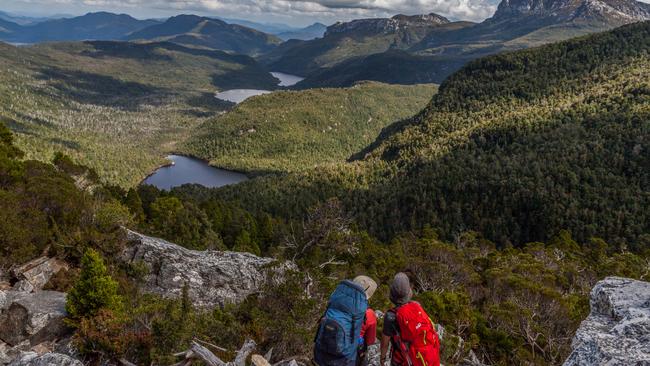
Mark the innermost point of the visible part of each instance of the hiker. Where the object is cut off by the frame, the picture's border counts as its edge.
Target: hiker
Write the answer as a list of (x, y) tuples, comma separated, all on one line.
[(408, 329), (368, 334), (337, 339)]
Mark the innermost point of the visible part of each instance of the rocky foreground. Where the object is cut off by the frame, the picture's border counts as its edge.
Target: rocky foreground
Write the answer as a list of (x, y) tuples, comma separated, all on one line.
[(617, 332), (33, 332), (213, 278)]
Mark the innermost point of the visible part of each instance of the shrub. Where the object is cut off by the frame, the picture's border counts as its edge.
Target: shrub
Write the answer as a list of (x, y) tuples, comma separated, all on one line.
[(94, 291)]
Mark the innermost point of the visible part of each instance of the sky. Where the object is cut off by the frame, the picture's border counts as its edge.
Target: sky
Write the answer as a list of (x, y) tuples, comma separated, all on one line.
[(292, 12)]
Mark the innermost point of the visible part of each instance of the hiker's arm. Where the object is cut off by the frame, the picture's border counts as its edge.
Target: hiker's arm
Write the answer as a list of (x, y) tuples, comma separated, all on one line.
[(385, 341), (371, 334)]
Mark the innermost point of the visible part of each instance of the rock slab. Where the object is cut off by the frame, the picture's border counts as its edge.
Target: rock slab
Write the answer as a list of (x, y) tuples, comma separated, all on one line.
[(33, 275), (213, 278), (32, 317), (48, 359), (617, 332)]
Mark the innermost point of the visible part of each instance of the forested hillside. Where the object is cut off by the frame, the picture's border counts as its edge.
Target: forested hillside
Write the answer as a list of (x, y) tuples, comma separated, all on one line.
[(487, 299), (296, 130), (523, 182), (115, 106), (517, 146)]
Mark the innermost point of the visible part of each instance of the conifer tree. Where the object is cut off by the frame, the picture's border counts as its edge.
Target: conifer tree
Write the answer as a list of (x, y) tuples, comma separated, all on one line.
[(95, 289)]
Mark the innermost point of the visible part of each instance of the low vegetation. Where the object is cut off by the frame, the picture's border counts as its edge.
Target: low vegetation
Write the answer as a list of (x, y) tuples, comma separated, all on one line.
[(509, 305), (290, 131)]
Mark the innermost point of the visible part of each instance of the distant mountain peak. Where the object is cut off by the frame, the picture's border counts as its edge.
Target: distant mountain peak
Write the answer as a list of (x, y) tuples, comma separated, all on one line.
[(614, 11), (422, 19), (388, 25)]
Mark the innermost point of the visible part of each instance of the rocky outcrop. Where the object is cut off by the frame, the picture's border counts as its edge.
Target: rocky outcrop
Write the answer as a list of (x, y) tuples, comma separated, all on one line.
[(387, 25), (213, 278), (617, 332), (33, 275), (31, 318), (615, 11), (48, 359)]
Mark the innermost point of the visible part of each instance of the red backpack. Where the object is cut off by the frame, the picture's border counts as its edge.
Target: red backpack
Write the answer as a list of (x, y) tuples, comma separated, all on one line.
[(417, 339)]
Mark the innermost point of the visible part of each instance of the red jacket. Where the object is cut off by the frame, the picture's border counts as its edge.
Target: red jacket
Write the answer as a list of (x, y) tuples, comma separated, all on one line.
[(369, 328)]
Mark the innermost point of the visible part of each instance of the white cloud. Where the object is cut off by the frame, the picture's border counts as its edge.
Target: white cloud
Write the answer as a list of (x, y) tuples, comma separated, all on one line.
[(288, 10)]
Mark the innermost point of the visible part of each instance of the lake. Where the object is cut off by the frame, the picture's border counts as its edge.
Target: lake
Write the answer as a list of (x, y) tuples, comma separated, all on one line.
[(187, 170), (239, 95), (286, 79)]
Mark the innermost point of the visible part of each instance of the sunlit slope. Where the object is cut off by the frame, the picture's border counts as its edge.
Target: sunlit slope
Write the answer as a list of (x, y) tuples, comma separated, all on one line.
[(117, 107), (516, 146), (296, 130)]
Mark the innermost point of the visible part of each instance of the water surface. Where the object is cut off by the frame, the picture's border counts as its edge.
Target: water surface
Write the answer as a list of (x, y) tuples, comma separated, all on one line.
[(187, 170), (239, 95), (286, 79)]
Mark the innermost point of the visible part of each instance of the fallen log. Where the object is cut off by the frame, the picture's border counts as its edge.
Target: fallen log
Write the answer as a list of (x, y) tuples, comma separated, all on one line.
[(201, 353)]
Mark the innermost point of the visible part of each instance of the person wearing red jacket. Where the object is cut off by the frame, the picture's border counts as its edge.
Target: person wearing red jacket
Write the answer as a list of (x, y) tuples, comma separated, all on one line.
[(408, 330), (368, 334)]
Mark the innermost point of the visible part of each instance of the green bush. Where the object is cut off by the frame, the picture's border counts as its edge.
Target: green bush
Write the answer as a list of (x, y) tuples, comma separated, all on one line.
[(95, 290)]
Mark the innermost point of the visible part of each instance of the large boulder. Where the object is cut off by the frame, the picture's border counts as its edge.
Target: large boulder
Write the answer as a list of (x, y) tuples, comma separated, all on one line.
[(48, 359), (31, 317), (213, 278), (33, 275), (617, 332)]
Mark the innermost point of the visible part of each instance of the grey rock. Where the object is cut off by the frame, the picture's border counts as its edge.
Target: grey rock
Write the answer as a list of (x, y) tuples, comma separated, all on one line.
[(373, 355), (617, 331), (213, 278), (48, 359), (9, 353), (5, 358), (615, 11), (34, 317), (387, 25), (471, 360), (34, 274)]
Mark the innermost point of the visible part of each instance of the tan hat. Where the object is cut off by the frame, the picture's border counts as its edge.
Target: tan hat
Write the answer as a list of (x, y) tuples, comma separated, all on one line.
[(368, 284)]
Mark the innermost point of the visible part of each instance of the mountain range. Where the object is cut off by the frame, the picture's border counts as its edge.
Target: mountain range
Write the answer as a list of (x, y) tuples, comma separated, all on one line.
[(210, 33), (402, 49), (349, 52), (344, 41), (92, 26), (283, 31), (316, 30), (109, 26)]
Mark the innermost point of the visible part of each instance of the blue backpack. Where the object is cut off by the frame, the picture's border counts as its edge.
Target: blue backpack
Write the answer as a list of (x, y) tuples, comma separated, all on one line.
[(340, 327)]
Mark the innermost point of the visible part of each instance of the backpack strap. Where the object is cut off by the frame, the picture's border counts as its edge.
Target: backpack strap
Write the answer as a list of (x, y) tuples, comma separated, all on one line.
[(401, 345)]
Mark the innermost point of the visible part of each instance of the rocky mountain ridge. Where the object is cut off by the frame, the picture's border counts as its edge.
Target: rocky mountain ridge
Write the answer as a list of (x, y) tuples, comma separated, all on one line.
[(387, 25), (615, 11)]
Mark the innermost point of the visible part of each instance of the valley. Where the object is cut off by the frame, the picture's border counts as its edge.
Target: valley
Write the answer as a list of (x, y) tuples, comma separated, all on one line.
[(297, 130), (176, 187)]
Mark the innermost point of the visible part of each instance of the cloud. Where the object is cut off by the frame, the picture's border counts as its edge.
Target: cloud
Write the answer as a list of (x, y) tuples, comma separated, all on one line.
[(311, 9)]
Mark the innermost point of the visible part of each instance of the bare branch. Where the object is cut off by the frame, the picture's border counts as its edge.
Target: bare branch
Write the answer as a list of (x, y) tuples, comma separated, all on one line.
[(198, 351), (242, 354)]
